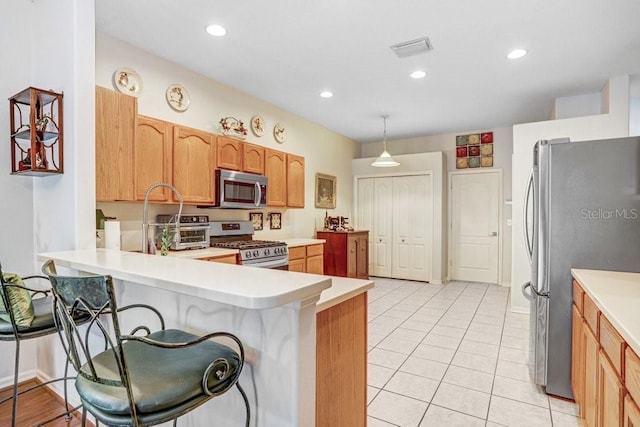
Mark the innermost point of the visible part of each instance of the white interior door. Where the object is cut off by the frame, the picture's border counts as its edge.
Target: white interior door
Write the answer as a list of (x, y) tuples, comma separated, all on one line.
[(412, 227), (381, 233), (475, 210), (366, 212)]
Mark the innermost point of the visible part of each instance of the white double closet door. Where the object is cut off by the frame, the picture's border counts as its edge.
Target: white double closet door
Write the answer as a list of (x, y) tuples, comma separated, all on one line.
[(398, 211)]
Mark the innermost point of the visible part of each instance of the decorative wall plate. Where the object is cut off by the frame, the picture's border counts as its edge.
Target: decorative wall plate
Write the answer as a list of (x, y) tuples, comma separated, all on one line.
[(275, 220), (257, 125), (178, 97), (279, 133), (256, 220), (127, 80), (233, 127)]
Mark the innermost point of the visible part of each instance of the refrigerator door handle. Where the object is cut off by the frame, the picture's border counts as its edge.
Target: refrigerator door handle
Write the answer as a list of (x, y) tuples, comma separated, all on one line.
[(527, 197), (526, 294)]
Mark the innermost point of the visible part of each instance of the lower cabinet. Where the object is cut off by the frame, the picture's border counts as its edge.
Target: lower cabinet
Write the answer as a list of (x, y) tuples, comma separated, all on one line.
[(347, 253), (341, 364), (610, 393), (605, 370), (226, 259), (306, 259), (631, 413)]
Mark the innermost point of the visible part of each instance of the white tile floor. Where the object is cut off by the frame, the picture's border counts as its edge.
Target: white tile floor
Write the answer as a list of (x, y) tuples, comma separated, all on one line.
[(452, 355)]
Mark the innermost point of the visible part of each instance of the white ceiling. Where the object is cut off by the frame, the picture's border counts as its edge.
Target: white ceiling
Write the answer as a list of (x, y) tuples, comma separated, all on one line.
[(286, 52)]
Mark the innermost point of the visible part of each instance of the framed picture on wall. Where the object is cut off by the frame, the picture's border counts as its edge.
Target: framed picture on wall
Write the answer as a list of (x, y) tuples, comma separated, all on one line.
[(325, 191)]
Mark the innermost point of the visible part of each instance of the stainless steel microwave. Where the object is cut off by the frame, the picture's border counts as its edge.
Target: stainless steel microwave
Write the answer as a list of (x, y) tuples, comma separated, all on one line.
[(240, 190)]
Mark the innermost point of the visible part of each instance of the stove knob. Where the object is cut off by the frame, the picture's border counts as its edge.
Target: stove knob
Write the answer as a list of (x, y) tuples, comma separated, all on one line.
[(256, 253), (284, 250), (247, 254), (267, 252)]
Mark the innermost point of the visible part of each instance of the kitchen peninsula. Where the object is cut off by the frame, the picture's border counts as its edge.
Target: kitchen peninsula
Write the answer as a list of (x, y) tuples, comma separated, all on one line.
[(273, 312)]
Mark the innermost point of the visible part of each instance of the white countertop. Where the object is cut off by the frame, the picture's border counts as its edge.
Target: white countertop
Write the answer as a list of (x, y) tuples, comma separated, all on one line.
[(617, 296), (247, 287), (342, 289), (292, 243)]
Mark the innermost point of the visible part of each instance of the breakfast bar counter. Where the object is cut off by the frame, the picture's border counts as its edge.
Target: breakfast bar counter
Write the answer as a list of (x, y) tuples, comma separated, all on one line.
[(273, 313), (281, 317)]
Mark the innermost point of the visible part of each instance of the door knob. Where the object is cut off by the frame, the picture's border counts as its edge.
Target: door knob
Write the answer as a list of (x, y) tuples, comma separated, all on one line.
[(493, 234)]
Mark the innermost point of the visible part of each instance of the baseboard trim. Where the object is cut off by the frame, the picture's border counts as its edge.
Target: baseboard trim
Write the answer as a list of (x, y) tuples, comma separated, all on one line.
[(22, 377)]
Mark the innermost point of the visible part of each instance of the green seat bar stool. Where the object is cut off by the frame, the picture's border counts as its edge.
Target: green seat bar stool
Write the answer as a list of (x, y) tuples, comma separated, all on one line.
[(142, 377), (15, 327)]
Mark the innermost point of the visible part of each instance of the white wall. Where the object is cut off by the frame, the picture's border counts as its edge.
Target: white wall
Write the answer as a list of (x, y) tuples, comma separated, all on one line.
[(324, 151), (53, 212), (611, 125), (576, 106), (423, 162), (16, 217)]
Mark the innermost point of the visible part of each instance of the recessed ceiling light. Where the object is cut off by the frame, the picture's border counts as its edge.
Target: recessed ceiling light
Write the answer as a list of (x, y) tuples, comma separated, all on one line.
[(516, 53), (418, 74), (216, 30), (326, 94)]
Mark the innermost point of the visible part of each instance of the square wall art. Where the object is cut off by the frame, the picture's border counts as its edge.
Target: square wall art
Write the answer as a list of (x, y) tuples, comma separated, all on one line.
[(474, 150)]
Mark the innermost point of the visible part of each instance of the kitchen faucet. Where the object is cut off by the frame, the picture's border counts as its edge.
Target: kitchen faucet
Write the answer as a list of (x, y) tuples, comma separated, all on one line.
[(145, 224)]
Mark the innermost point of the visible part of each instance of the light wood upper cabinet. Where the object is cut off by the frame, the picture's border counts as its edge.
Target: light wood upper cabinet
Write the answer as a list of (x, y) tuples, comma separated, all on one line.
[(276, 171), (253, 158), (229, 153), (115, 132), (152, 158), (193, 164), (295, 181)]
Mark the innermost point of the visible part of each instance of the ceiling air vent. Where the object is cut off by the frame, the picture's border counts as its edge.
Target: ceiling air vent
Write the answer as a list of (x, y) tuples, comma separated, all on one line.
[(413, 47)]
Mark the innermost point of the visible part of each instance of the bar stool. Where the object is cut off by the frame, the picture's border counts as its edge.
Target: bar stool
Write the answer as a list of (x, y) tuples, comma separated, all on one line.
[(140, 378), (14, 326)]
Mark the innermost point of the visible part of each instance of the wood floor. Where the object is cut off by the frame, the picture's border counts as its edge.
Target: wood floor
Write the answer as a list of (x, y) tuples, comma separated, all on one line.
[(36, 406)]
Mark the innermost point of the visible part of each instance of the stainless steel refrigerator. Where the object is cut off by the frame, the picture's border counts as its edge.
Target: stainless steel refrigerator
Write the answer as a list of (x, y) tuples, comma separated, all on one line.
[(582, 211)]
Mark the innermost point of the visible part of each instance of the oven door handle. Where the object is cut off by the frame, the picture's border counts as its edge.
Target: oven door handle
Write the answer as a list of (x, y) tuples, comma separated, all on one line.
[(258, 197), (269, 264)]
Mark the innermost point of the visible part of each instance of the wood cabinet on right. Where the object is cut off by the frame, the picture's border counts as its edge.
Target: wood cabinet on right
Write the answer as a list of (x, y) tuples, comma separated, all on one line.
[(605, 370), (346, 253), (253, 158)]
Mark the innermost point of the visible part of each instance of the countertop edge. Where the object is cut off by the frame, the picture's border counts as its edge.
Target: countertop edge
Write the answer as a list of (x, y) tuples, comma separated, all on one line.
[(120, 267), (610, 299), (342, 289)]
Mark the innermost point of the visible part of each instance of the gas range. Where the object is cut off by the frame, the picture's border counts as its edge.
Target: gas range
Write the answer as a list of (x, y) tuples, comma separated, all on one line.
[(256, 253)]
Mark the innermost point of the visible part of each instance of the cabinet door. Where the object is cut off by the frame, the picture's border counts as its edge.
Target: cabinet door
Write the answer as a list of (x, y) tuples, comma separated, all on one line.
[(352, 256), (252, 158), (363, 258), (276, 171), (610, 394), (631, 413), (577, 359), (295, 181), (115, 130), (297, 265), (229, 153), (193, 165), (314, 264), (591, 376), (152, 158)]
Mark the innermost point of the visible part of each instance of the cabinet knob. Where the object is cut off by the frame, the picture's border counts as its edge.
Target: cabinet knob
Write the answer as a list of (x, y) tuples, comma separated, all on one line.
[(402, 240)]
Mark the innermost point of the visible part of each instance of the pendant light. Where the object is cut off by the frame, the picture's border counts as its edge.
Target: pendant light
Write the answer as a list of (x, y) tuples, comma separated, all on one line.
[(385, 160)]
